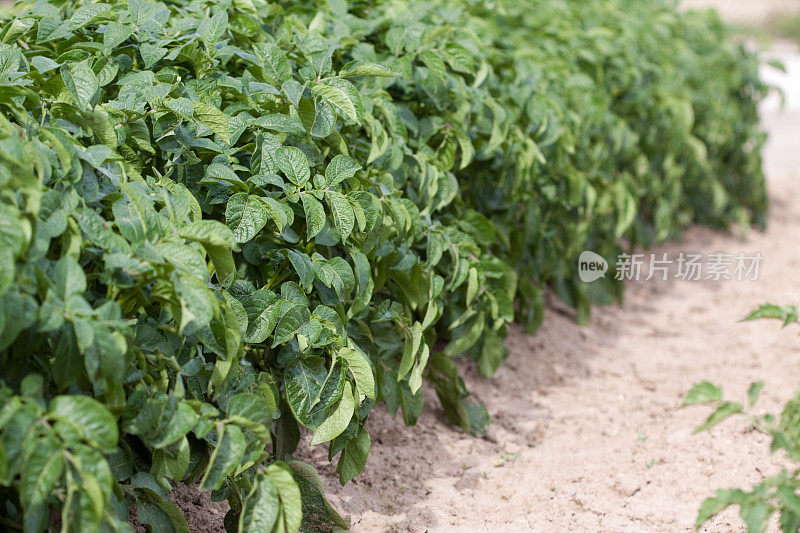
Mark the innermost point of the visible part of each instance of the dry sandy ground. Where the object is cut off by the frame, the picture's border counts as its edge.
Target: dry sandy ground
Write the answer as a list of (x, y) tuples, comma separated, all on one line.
[(747, 12), (585, 433)]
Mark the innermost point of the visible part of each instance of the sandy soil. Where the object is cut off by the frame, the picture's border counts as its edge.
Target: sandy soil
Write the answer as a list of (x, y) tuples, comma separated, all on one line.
[(745, 12), (585, 433)]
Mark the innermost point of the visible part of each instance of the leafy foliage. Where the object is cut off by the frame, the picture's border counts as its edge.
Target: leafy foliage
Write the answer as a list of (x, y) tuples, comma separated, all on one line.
[(776, 494), (223, 220)]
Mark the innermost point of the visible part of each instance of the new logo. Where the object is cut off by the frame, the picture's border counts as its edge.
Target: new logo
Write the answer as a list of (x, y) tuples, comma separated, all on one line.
[(591, 266)]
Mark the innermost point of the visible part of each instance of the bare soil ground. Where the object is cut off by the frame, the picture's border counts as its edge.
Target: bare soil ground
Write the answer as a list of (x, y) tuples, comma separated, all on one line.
[(747, 12), (585, 434)]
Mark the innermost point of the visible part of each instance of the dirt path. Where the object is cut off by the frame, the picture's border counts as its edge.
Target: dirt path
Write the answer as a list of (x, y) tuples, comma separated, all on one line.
[(585, 434), (745, 12)]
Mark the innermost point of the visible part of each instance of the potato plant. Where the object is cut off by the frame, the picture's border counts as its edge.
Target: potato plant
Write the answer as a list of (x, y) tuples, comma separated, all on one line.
[(775, 495), (228, 222)]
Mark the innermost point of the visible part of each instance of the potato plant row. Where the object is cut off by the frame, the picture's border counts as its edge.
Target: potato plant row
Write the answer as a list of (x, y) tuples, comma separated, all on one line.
[(224, 223)]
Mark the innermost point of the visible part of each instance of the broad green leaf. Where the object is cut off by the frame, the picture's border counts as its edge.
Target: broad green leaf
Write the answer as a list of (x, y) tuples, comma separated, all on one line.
[(68, 278), (263, 310), (788, 314), (361, 369), (315, 216), (87, 419), (723, 411), (178, 426), (304, 380), (261, 507), (225, 458), (415, 378), (289, 325), (212, 118), (338, 98), (141, 11), (215, 27), (289, 494), (274, 61), (340, 168), (365, 68), (754, 391), (294, 164), (41, 471), (115, 34), (354, 457), (703, 392), (343, 214), (81, 81), (338, 420), (413, 340), (197, 302), (209, 232), (251, 407), (245, 215), (152, 54), (162, 516)]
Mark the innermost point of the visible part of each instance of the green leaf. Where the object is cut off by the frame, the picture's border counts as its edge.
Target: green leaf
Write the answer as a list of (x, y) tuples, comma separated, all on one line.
[(361, 369), (44, 64), (245, 215), (338, 98), (304, 379), (68, 278), (364, 68), (215, 28), (788, 313), (315, 216), (141, 11), (89, 420), (715, 505), (209, 232), (340, 168), (213, 119), (415, 378), (263, 310), (354, 457), (225, 458), (466, 340), (197, 302), (324, 118), (703, 392), (725, 410), (304, 267), (274, 62), (343, 214), (338, 420), (294, 164), (162, 516), (754, 391), (413, 340), (42, 470), (250, 407), (151, 54), (261, 507), (289, 494), (179, 424), (289, 325), (116, 33), (81, 81)]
